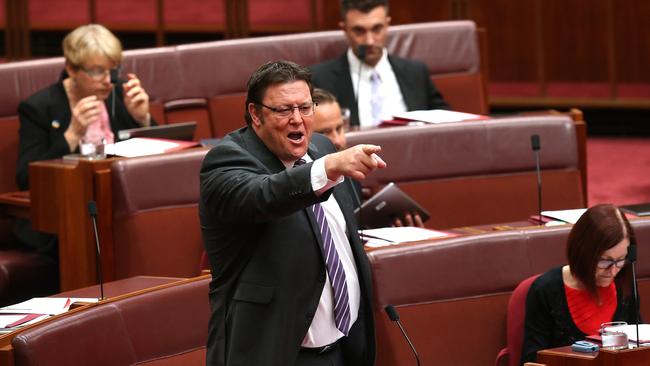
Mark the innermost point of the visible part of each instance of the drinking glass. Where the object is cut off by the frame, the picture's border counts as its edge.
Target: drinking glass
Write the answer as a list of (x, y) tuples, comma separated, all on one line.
[(613, 335)]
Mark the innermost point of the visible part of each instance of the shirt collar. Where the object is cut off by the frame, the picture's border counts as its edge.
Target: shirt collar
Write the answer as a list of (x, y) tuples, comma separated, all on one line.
[(289, 164), (381, 66)]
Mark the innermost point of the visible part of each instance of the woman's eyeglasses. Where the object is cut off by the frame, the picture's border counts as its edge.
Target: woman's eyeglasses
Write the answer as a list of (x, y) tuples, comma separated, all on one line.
[(608, 263)]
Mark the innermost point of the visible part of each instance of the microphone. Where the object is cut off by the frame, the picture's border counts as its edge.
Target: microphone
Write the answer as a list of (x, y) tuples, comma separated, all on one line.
[(361, 54), (92, 211), (115, 79), (631, 257), (394, 316), (536, 146)]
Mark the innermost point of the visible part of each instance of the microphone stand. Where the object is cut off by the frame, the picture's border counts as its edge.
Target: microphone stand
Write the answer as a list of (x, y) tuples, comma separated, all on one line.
[(394, 316), (361, 54), (635, 294), (92, 210), (535, 144)]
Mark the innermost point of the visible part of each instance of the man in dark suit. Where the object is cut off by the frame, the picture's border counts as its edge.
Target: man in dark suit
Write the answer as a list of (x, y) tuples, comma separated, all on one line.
[(384, 84), (274, 198)]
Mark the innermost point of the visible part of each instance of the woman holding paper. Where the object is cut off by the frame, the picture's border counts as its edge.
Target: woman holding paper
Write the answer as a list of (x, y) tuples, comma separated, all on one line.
[(85, 105), (568, 303)]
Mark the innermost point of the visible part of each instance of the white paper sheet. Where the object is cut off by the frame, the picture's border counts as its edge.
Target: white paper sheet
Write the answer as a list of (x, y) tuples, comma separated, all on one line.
[(570, 216), (388, 235), (438, 116)]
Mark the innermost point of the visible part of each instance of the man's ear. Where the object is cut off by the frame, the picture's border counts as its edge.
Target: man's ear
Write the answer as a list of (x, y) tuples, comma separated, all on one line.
[(252, 110)]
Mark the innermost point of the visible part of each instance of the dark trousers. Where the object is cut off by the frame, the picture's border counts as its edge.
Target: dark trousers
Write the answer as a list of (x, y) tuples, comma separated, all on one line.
[(331, 358)]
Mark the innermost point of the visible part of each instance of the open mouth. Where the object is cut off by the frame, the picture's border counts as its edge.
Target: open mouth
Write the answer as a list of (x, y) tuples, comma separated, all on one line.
[(296, 136)]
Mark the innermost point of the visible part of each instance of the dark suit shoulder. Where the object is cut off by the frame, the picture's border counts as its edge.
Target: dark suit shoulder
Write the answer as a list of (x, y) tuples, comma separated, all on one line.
[(53, 94)]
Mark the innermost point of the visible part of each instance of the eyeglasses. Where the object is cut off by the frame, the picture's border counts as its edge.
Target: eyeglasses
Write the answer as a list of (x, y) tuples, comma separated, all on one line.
[(608, 263), (305, 110), (99, 73)]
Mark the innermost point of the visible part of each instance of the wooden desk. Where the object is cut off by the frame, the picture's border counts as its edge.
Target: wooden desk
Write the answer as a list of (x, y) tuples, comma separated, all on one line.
[(564, 356), (60, 192)]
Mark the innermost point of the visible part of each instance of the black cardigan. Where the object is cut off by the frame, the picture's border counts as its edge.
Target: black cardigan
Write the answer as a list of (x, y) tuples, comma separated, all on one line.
[(548, 319)]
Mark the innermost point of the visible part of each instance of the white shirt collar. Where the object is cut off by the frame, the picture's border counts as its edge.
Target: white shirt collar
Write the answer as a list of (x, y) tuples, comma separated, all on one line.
[(381, 66)]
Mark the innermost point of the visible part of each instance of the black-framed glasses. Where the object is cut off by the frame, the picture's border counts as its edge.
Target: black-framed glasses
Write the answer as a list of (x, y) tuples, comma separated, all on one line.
[(608, 263), (305, 110), (100, 73)]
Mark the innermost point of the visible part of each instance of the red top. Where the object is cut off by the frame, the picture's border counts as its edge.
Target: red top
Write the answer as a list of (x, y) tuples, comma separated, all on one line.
[(586, 314)]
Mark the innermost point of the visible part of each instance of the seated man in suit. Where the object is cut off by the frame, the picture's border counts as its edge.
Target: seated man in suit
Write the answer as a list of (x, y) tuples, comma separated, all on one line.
[(274, 199), (329, 120), (368, 81)]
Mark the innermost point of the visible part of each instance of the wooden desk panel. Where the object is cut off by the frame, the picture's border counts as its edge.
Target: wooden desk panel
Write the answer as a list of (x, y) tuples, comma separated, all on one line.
[(564, 356), (60, 192)]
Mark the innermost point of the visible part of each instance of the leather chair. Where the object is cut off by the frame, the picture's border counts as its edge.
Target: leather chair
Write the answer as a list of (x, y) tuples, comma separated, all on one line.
[(515, 324), (166, 326), (480, 172), (453, 293), (155, 215)]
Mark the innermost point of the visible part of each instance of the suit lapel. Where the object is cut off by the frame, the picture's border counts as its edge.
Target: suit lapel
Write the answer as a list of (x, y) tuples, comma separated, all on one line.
[(403, 80), (345, 89)]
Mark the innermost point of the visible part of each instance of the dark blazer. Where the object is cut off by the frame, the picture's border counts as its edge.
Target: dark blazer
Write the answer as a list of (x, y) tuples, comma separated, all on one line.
[(263, 244), (412, 76), (41, 139), (548, 321)]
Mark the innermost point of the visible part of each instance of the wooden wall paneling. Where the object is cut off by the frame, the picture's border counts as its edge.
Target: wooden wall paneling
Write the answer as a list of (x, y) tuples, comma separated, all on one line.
[(418, 11), (127, 15), (512, 42), (194, 15), (280, 16), (631, 38), (16, 30), (58, 15), (576, 48)]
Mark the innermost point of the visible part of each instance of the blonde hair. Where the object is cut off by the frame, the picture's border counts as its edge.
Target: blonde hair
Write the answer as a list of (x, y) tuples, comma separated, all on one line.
[(91, 40)]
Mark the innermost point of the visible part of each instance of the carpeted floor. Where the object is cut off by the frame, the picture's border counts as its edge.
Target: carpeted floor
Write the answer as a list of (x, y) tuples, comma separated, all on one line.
[(618, 170)]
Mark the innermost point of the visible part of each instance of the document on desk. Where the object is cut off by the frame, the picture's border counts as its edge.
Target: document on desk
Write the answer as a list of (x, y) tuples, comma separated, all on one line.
[(393, 235), (438, 116), (143, 146), (44, 305), (569, 216)]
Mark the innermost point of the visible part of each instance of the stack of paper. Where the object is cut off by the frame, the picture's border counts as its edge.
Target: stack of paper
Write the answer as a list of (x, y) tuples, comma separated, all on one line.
[(35, 310), (566, 216), (438, 116), (143, 146), (392, 235)]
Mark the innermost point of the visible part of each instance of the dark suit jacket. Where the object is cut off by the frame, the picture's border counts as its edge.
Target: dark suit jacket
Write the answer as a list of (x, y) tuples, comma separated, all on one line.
[(39, 140), (412, 76), (263, 244)]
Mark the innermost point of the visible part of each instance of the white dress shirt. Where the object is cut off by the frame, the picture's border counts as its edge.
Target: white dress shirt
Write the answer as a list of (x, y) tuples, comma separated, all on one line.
[(323, 330), (389, 91)]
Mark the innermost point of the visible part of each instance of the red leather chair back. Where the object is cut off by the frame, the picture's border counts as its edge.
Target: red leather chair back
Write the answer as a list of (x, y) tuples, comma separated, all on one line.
[(515, 323)]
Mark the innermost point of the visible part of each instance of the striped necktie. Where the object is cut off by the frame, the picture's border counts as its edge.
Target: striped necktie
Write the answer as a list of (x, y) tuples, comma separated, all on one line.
[(334, 266)]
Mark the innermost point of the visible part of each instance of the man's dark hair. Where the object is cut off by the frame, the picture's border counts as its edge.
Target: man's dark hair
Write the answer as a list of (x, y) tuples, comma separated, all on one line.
[(322, 96), (364, 6), (273, 73)]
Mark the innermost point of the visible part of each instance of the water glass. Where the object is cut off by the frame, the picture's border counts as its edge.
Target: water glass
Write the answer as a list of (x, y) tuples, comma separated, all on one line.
[(92, 149), (613, 335)]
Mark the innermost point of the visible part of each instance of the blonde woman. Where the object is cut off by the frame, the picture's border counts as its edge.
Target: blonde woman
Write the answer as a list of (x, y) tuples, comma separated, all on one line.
[(83, 104)]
